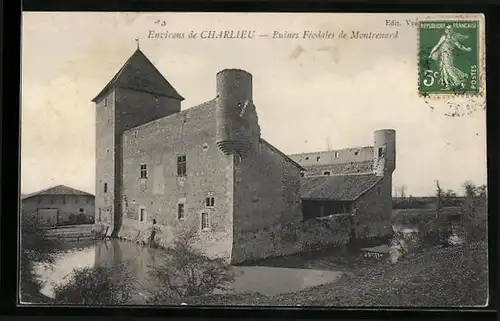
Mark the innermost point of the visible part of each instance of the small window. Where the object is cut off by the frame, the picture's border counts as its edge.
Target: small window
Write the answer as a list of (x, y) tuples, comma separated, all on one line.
[(318, 158), (301, 174), (181, 165), (135, 134), (144, 171), (237, 159), (105, 101), (81, 210), (105, 188), (380, 152), (180, 211), (356, 153), (204, 221), (336, 154), (307, 158), (326, 173), (205, 147), (210, 202), (142, 214)]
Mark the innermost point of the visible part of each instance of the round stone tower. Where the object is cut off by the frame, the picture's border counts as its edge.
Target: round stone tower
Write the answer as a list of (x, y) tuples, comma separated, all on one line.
[(237, 127), (384, 151)]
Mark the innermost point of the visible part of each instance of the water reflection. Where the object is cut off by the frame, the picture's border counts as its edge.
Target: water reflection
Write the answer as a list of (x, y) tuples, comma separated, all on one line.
[(268, 279), (138, 259)]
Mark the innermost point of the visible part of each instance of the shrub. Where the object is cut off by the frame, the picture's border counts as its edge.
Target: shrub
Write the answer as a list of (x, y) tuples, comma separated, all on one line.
[(35, 248), (101, 285), (186, 272)]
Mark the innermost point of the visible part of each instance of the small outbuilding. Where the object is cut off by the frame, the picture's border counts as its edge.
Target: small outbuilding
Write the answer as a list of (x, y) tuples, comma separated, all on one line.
[(60, 205)]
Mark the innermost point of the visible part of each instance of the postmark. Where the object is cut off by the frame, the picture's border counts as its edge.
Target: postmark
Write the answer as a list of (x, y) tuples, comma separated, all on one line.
[(449, 58)]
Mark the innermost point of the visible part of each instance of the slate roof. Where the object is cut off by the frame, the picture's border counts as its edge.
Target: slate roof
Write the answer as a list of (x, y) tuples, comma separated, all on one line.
[(57, 190), (139, 73), (338, 187), (342, 169)]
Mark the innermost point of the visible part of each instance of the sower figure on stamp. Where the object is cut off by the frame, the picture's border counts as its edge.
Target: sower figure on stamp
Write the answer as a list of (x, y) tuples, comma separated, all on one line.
[(450, 76)]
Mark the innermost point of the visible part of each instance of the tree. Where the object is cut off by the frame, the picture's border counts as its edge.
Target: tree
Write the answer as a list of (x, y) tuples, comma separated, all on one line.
[(187, 272), (439, 199), (403, 191)]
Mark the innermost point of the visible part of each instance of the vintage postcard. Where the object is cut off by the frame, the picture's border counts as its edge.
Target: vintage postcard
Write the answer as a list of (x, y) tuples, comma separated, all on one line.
[(262, 159)]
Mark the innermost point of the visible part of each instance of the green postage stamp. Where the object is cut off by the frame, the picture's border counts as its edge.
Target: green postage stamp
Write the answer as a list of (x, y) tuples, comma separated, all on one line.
[(449, 56)]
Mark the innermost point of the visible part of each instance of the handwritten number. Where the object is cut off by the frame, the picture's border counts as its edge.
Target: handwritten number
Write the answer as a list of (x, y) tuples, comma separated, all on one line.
[(162, 23)]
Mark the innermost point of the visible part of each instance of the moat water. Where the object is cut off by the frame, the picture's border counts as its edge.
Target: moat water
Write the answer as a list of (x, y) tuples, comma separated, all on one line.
[(269, 277)]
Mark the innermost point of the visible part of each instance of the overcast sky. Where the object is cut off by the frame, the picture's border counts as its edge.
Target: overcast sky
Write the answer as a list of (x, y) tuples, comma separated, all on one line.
[(309, 94)]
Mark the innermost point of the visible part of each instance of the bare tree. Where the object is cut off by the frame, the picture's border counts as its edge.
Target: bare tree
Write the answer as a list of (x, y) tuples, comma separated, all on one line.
[(403, 191), (187, 272), (439, 199)]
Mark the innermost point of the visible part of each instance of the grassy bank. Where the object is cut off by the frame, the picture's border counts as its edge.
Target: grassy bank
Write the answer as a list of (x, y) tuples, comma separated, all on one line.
[(438, 277)]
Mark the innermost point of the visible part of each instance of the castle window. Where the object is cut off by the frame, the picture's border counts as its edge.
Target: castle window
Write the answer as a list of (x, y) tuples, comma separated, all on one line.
[(356, 153), (318, 158), (307, 158), (180, 211), (81, 210), (336, 154), (210, 202), (302, 174), (105, 188), (105, 101), (380, 152), (237, 159), (144, 171), (205, 147), (204, 221), (142, 214), (181, 165), (326, 173), (135, 134)]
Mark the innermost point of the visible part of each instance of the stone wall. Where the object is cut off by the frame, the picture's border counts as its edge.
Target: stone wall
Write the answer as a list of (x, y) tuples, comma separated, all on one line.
[(105, 160), (374, 211), (291, 238), (340, 156), (266, 193), (209, 174)]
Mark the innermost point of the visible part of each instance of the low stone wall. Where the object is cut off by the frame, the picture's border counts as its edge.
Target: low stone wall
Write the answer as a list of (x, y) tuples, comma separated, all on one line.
[(292, 238), (212, 245)]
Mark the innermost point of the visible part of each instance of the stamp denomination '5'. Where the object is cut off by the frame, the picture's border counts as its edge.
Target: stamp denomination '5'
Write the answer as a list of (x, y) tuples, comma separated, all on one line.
[(449, 59)]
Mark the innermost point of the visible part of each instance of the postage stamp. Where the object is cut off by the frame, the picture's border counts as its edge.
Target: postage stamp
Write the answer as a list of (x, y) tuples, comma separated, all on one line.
[(449, 57)]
